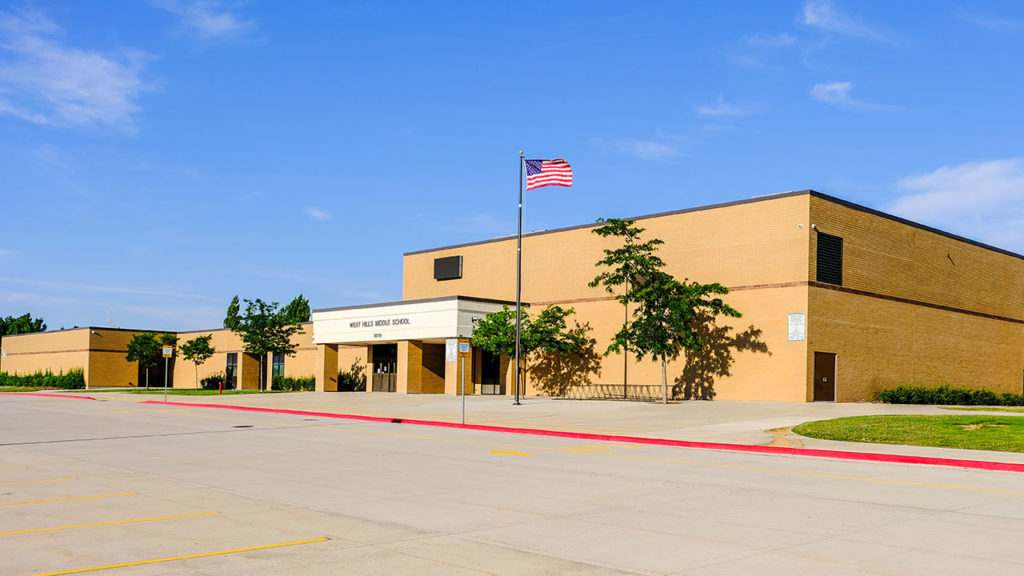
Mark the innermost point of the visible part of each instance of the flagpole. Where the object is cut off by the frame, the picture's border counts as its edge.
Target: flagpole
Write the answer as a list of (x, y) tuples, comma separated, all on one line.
[(519, 276)]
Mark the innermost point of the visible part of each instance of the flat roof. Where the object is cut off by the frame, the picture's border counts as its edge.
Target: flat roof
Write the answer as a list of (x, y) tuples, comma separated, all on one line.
[(766, 198), (421, 300)]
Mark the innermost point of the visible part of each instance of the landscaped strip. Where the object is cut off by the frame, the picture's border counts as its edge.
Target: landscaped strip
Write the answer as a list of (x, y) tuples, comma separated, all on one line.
[(964, 431), (836, 454)]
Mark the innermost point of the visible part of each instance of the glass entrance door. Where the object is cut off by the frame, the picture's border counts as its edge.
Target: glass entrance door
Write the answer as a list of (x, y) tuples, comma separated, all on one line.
[(385, 366)]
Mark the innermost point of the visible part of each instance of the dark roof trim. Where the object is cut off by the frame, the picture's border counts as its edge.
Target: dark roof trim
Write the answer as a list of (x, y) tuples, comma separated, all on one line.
[(91, 328), (766, 198), (420, 301), (222, 329), (911, 223)]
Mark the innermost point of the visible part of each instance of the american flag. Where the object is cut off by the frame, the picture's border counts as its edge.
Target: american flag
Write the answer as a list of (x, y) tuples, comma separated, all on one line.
[(548, 173)]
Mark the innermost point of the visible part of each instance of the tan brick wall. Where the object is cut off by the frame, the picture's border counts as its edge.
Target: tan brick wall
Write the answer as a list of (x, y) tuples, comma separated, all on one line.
[(54, 351), (759, 248), (882, 343), (224, 341)]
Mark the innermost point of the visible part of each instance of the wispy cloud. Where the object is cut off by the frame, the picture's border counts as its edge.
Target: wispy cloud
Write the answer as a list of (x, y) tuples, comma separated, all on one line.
[(996, 23), (94, 288), (208, 19), (662, 147), (723, 108), (838, 94), (824, 15), (317, 214), (46, 81), (4, 252), (982, 200), (760, 40)]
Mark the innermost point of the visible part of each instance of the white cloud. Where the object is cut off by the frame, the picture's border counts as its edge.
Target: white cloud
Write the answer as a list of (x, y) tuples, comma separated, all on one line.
[(770, 40), (4, 252), (996, 23), (317, 214), (209, 19), (838, 94), (982, 200), (722, 108), (647, 149), (824, 15), (45, 81)]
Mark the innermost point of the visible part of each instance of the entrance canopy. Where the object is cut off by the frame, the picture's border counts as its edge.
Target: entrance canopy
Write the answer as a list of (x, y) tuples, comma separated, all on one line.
[(430, 319)]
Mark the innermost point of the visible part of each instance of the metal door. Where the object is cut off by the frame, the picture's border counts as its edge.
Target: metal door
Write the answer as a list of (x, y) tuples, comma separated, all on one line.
[(824, 377)]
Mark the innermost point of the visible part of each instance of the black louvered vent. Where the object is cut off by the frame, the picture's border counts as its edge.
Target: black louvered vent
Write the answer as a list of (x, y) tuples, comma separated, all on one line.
[(449, 268), (830, 259)]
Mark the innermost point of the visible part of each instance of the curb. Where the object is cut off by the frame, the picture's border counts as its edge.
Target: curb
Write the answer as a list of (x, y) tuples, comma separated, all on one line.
[(47, 395), (807, 452)]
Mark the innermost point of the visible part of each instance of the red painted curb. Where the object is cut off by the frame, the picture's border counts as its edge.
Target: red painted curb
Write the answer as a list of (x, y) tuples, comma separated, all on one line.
[(48, 395), (836, 454)]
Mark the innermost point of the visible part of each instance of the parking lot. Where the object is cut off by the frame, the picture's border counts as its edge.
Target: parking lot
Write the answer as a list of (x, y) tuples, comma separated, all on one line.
[(131, 488)]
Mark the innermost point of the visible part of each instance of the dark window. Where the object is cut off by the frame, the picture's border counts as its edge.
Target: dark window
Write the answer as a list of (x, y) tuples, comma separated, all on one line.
[(277, 366), (830, 259), (448, 268), (231, 371)]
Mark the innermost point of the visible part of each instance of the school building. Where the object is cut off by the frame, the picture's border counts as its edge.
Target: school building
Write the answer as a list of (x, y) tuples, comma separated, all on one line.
[(839, 301)]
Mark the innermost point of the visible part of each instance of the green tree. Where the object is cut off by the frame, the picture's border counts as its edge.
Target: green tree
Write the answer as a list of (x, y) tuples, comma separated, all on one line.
[(630, 265), (24, 324), (144, 349), (264, 328), (298, 310), (548, 333), (197, 351), (669, 314), (232, 316)]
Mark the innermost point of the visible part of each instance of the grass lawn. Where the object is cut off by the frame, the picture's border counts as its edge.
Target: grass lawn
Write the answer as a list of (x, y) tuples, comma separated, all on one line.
[(982, 409), (1001, 433), (20, 389)]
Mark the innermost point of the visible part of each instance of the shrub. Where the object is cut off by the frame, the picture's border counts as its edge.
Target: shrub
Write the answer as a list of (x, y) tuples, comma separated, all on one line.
[(948, 396), (73, 380), (294, 384), (353, 379), (212, 382)]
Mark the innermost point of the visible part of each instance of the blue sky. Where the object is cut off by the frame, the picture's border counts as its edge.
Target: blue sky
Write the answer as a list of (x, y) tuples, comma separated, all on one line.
[(158, 157)]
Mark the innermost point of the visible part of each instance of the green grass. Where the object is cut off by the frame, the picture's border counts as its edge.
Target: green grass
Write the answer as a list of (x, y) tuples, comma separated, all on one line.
[(1001, 433), (982, 409), (21, 389)]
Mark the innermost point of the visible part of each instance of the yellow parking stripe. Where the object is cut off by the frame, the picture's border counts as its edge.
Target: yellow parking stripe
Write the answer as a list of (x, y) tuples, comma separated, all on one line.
[(113, 523), (68, 498), (203, 555), (37, 481), (509, 452), (13, 467)]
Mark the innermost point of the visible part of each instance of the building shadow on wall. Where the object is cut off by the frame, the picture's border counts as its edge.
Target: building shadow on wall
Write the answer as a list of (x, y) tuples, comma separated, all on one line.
[(353, 379), (697, 382), (558, 374)]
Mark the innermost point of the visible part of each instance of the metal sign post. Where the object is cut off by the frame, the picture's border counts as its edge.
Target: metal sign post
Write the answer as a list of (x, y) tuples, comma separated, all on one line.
[(168, 352), (464, 349)]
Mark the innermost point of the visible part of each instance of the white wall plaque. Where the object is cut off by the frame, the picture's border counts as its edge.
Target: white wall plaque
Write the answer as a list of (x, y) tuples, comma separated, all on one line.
[(797, 326)]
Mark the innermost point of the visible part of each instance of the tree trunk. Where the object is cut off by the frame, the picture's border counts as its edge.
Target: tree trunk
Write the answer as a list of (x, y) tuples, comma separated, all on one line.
[(664, 379), (197, 376)]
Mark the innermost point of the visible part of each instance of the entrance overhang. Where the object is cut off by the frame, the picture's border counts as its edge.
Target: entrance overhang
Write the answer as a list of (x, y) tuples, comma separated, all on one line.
[(427, 319)]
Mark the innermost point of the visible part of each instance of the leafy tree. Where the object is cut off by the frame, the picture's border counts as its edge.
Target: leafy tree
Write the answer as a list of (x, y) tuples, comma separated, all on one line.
[(24, 324), (263, 328), (630, 264), (231, 318), (298, 310), (548, 333), (144, 349), (197, 351), (669, 314)]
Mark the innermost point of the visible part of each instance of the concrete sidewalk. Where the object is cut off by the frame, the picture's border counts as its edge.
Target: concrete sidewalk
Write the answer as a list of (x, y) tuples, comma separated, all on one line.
[(733, 422)]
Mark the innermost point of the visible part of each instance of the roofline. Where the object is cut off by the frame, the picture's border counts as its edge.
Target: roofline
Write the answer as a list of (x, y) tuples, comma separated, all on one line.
[(222, 329), (419, 301), (90, 328), (765, 198)]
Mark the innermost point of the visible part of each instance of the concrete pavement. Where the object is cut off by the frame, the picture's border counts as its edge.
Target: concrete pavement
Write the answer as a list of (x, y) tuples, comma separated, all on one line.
[(734, 422)]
